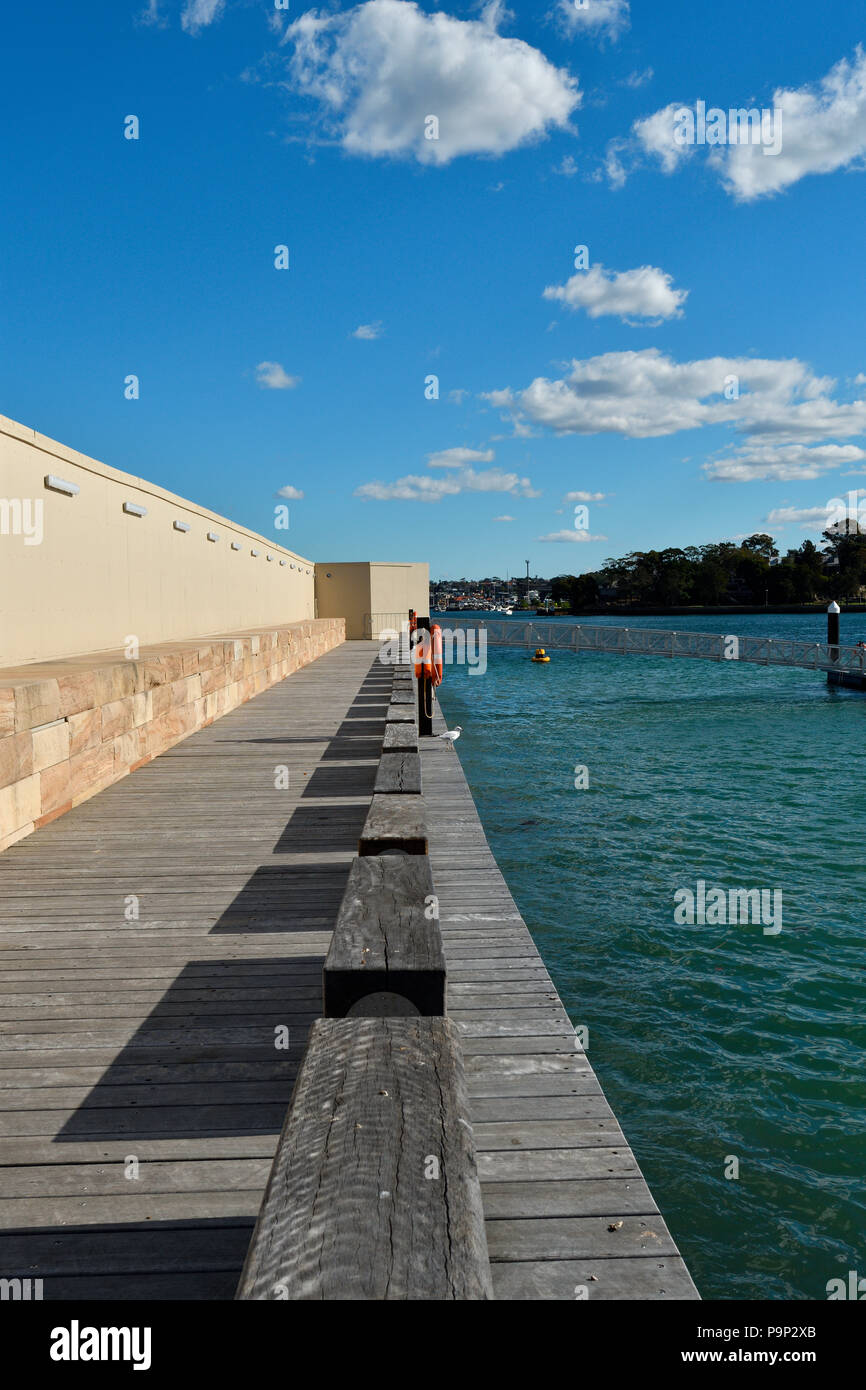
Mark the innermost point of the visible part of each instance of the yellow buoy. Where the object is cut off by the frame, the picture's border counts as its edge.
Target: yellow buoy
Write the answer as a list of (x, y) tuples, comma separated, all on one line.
[(540, 655)]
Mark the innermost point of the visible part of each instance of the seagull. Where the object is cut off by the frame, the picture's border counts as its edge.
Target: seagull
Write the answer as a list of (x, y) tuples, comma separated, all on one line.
[(450, 736)]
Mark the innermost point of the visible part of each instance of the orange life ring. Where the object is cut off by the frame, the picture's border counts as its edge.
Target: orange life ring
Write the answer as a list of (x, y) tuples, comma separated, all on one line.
[(436, 634)]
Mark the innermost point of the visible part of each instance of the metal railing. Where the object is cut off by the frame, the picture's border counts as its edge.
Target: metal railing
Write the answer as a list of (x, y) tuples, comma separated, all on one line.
[(641, 641)]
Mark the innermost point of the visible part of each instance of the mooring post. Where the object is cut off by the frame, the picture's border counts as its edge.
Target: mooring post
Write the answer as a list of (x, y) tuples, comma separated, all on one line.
[(425, 685), (833, 630)]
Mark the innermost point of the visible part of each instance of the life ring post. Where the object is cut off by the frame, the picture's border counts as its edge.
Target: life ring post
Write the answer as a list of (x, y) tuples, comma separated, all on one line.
[(425, 683)]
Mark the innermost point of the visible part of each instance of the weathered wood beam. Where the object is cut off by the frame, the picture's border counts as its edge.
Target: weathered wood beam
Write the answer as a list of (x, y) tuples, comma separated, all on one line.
[(394, 823), (398, 771), (386, 941), (400, 714), (400, 737), (374, 1193)]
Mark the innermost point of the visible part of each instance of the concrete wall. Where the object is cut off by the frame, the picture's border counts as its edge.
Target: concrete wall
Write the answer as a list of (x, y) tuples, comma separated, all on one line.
[(100, 575), (372, 594)]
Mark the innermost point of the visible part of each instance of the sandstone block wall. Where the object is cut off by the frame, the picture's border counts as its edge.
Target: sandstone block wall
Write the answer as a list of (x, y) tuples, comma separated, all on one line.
[(71, 728)]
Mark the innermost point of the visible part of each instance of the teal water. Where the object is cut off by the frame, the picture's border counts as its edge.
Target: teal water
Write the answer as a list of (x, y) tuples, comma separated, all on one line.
[(709, 1041)]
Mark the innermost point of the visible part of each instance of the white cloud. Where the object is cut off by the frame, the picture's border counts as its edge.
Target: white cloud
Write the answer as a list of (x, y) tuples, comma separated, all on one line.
[(458, 395), (614, 166), (819, 518), (368, 331), (646, 292), (198, 14), (810, 518), (655, 136), (822, 127), (151, 16), (596, 18), (647, 394), (584, 497), (567, 166), (292, 494), (638, 79), (272, 377), (458, 478), (572, 536), (380, 69), (755, 463), (503, 518), (457, 458)]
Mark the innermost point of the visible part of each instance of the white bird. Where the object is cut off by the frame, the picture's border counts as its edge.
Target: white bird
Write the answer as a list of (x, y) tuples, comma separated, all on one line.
[(451, 736)]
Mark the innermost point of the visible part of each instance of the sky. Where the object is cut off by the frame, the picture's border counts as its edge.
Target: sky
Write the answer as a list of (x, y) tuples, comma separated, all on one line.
[(433, 368)]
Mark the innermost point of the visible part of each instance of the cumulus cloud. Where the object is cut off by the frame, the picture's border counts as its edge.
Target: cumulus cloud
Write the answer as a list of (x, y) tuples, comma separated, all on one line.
[(503, 518), (584, 497), (822, 128), (198, 14), (602, 19), (456, 458), (655, 136), (273, 377), (573, 537), (755, 463), (457, 477), (292, 494), (810, 518), (646, 292), (615, 165), (368, 331), (648, 394), (381, 69)]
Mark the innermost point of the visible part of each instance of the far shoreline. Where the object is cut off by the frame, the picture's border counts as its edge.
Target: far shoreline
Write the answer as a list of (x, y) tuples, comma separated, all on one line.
[(726, 610)]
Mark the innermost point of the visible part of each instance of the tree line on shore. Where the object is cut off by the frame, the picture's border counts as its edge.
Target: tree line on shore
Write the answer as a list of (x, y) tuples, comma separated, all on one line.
[(751, 571)]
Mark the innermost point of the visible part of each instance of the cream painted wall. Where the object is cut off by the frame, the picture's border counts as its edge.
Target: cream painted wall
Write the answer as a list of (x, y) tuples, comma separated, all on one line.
[(343, 591), (381, 590), (395, 588), (100, 575)]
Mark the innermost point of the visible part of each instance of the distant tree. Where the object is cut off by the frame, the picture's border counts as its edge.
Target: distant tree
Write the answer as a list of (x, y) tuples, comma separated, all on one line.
[(761, 544), (847, 555), (576, 590), (711, 580)]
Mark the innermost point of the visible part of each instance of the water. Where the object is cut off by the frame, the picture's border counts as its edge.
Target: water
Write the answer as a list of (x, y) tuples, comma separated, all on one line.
[(710, 1041)]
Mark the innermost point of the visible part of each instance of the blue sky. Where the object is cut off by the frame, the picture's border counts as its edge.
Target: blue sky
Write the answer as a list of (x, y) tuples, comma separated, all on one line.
[(262, 127)]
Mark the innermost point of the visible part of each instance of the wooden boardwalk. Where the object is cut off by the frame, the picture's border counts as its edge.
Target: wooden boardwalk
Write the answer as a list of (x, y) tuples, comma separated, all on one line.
[(153, 1040), (159, 940)]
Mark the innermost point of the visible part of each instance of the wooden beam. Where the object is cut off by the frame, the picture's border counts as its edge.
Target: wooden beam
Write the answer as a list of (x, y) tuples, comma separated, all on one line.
[(398, 772), (394, 823), (386, 941), (374, 1192), (400, 714), (400, 736)]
